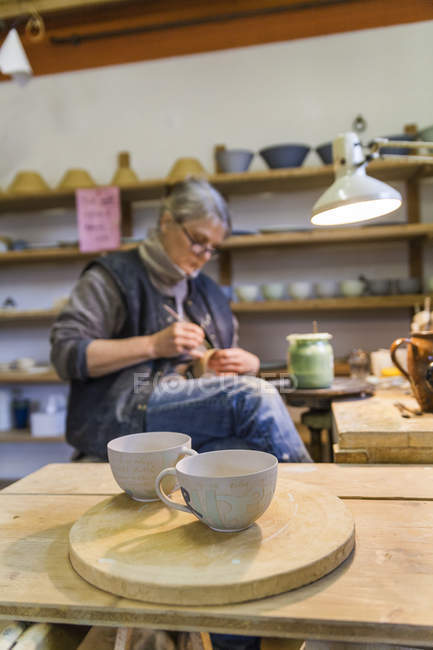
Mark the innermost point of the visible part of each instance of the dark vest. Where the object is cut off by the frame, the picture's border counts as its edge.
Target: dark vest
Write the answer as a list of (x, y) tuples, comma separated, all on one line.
[(106, 407)]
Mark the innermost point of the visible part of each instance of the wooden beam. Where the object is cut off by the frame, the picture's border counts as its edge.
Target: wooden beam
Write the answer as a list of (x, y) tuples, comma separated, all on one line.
[(172, 28)]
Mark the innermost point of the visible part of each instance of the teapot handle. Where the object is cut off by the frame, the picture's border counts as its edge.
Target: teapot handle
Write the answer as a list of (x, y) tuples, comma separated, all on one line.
[(429, 375), (393, 350)]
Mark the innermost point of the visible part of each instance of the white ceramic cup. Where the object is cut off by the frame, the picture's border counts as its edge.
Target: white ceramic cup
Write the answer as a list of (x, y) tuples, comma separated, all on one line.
[(326, 288), (352, 288), (137, 459), (273, 290), (247, 292), (25, 363), (300, 290), (227, 490)]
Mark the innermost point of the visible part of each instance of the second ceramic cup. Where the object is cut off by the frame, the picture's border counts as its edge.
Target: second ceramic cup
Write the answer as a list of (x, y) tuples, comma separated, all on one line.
[(137, 459), (227, 490)]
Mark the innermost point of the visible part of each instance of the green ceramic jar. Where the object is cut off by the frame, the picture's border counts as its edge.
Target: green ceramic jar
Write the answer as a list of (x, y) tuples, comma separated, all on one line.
[(311, 359)]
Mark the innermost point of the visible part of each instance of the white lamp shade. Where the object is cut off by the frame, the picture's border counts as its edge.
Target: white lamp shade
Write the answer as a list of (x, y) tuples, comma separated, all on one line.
[(355, 197), (13, 59)]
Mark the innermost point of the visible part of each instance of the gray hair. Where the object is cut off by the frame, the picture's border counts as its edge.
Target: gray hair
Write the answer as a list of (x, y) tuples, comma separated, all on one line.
[(196, 199)]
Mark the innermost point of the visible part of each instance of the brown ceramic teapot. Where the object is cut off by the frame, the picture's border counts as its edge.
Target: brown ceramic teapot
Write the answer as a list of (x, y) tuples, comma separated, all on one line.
[(420, 366)]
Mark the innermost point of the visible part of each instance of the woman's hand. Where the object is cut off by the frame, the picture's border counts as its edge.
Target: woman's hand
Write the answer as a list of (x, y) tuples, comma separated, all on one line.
[(179, 338), (233, 360)]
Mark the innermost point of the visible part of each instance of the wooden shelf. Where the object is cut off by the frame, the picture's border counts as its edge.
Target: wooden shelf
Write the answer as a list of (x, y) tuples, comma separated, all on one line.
[(17, 377), (17, 315), (317, 236), (54, 255), (274, 180), (329, 304), (311, 237), (362, 302), (308, 177), (24, 435)]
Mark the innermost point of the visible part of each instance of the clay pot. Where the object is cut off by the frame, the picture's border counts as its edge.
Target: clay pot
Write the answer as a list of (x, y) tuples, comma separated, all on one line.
[(185, 168), (420, 366), (74, 179), (28, 182), (124, 175)]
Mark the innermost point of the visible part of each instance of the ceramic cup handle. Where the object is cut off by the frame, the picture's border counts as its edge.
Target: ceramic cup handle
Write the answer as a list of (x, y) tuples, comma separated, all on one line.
[(171, 471), (186, 451), (393, 350)]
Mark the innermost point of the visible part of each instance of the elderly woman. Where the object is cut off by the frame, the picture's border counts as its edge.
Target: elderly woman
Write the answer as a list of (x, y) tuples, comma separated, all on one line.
[(136, 324)]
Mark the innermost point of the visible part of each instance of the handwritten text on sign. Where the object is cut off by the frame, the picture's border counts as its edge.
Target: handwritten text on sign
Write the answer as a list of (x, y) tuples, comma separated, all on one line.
[(99, 214)]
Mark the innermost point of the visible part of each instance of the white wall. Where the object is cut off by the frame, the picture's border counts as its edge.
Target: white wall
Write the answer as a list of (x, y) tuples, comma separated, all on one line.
[(299, 91)]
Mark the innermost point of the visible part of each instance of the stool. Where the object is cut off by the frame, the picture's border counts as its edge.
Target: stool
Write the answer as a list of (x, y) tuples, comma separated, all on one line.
[(318, 420)]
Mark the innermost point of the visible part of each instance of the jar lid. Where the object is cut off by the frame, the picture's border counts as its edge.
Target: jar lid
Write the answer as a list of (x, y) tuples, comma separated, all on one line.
[(313, 336)]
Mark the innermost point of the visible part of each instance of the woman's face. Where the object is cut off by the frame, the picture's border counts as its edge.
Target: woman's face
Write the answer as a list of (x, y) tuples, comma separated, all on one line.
[(190, 245)]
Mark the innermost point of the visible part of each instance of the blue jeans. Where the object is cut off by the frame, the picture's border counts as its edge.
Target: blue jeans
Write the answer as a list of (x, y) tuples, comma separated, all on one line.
[(226, 413)]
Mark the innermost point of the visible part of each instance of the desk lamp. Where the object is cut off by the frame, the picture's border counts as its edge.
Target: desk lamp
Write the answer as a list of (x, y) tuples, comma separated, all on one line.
[(354, 196), (13, 59)]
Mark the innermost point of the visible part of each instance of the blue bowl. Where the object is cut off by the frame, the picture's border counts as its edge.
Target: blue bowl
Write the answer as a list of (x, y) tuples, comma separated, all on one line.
[(284, 155), (397, 151), (325, 153), (234, 160)]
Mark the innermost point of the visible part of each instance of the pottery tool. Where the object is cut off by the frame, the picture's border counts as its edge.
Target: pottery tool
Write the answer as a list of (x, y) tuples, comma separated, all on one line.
[(406, 411), (403, 413), (415, 411), (173, 313), (176, 316)]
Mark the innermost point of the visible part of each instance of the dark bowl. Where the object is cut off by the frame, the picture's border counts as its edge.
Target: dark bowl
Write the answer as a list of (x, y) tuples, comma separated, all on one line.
[(325, 153), (397, 151), (284, 155)]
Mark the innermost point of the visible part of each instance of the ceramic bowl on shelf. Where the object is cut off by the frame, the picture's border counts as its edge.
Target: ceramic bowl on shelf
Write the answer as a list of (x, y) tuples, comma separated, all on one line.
[(74, 179), (184, 168), (408, 285), (300, 290), (247, 292), (124, 175), (234, 160), (273, 290), (326, 288), (28, 182), (324, 152), (378, 286), (396, 151), (426, 134), (284, 155), (352, 288)]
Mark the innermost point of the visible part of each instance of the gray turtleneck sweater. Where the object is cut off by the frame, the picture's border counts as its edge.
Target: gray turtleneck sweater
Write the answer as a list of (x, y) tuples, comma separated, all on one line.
[(95, 309)]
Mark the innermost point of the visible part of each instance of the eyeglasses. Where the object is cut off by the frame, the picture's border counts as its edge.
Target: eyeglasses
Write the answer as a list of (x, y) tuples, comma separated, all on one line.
[(196, 247)]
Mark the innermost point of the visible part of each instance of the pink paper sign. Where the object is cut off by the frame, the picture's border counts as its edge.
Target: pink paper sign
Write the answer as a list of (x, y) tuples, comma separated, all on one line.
[(99, 215)]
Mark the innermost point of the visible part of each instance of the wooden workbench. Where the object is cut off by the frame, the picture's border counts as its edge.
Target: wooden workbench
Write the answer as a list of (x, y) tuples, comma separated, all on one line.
[(381, 593), (373, 430)]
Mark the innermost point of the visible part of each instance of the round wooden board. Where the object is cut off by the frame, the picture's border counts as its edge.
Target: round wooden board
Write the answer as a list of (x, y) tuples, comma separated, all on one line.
[(152, 553)]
